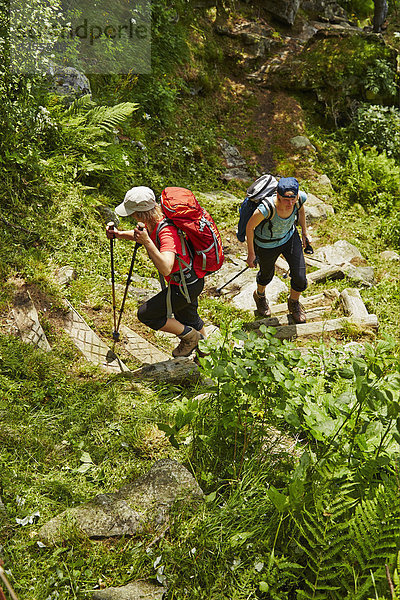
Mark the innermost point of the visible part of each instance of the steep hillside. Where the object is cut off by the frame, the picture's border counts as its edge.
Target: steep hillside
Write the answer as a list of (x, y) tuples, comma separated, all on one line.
[(266, 468)]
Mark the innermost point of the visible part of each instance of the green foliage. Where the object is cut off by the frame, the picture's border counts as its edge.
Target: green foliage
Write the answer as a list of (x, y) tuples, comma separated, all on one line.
[(230, 422), (341, 70), (368, 176), (261, 381), (379, 126), (67, 433), (86, 134), (358, 8), (381, 79), (346, 550)]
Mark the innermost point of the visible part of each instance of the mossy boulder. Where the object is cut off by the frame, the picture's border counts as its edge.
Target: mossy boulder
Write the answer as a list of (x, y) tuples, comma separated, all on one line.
[(336, 65)]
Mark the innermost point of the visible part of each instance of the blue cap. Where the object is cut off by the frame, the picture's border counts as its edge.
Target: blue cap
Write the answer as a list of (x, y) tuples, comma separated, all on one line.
[(288, 184)]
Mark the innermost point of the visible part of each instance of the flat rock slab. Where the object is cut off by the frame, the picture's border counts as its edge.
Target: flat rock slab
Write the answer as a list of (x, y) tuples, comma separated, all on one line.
[(309, 302), (390, 256), (139, 590), (92, 347), (134, 508), (27, 321), (338, 253), (287, 332), (141, 349), (244, 299), (361, 275), (175, 370), (230, 268)]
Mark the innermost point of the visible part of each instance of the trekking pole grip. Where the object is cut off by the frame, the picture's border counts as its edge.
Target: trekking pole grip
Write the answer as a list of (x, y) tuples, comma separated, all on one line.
[(111, 227)]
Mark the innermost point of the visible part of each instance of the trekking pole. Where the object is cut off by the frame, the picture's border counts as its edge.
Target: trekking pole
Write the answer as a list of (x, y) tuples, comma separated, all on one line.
[(128, 281), (218, 290), (111, 226)]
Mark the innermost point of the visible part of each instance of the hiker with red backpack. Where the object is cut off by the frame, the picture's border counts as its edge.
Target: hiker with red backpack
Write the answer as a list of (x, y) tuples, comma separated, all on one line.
[(173, 246), (271, 231)]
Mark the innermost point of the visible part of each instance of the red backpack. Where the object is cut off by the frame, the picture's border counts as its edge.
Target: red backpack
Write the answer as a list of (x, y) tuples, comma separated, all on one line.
[(182, 209)]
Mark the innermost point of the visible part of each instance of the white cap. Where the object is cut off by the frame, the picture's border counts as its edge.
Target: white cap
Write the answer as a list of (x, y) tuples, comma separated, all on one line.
[(137, 199)]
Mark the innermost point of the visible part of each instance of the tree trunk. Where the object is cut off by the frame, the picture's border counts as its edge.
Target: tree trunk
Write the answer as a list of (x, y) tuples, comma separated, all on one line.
[(380, 14)]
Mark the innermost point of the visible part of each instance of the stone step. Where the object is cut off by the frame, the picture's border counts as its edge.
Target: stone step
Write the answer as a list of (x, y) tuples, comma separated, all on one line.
[(318, 328), (88, 342), (142, 350), (313, 314), (27, 321), (353, 304), (325, 297)]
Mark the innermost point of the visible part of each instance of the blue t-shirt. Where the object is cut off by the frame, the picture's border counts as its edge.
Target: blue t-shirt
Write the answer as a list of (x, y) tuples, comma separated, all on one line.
[(276, 231)]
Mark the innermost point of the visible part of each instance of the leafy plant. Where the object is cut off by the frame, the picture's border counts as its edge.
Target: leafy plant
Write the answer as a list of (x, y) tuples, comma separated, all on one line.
[(380, 79), (379, 126), (368, 175), (87, 130), (346, 551)]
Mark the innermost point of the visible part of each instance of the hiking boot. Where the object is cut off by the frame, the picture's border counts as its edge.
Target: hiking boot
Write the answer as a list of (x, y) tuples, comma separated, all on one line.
[(187, 344), (263, 308), (297, 311)]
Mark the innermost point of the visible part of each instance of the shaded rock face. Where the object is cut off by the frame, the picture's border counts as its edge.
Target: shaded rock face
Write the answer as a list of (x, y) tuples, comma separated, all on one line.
[(139, 590), (285, 10), (332, 67), (144, 502), (254, 40), (69, 82), (324, 9)]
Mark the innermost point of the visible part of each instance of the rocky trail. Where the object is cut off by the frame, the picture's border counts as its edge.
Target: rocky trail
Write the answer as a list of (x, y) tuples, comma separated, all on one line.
[(327, 311)]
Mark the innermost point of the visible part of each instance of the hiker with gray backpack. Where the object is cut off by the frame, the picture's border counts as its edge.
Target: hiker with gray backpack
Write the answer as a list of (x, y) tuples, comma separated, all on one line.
[(268, 219)]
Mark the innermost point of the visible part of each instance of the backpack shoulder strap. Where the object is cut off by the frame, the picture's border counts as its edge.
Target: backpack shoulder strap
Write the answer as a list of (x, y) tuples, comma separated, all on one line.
[(270, 206), (185, 250), (302, 198), (162, 224)]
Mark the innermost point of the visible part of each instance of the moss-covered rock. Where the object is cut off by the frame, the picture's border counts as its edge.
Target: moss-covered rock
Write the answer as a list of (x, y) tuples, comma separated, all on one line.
[(337, 65)]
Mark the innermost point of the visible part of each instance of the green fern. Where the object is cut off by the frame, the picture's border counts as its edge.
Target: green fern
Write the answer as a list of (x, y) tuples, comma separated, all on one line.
[(110, 117), (82, 104), (323, 542), (396, 579), (84, 113), (346, 550), (87, 128), (375, 533)]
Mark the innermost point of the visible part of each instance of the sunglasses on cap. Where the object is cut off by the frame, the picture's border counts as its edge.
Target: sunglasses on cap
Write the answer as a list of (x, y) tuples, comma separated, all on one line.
[(288, 197)]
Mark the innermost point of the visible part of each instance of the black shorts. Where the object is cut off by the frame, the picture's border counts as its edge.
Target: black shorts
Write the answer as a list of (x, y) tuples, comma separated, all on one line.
[(153, 313), (292, 250)]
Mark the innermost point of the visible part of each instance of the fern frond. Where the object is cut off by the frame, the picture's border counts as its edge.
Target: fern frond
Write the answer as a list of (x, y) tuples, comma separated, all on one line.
[(323, 542), (375, 528), (374, 531), (110, 117), (82, 104)]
